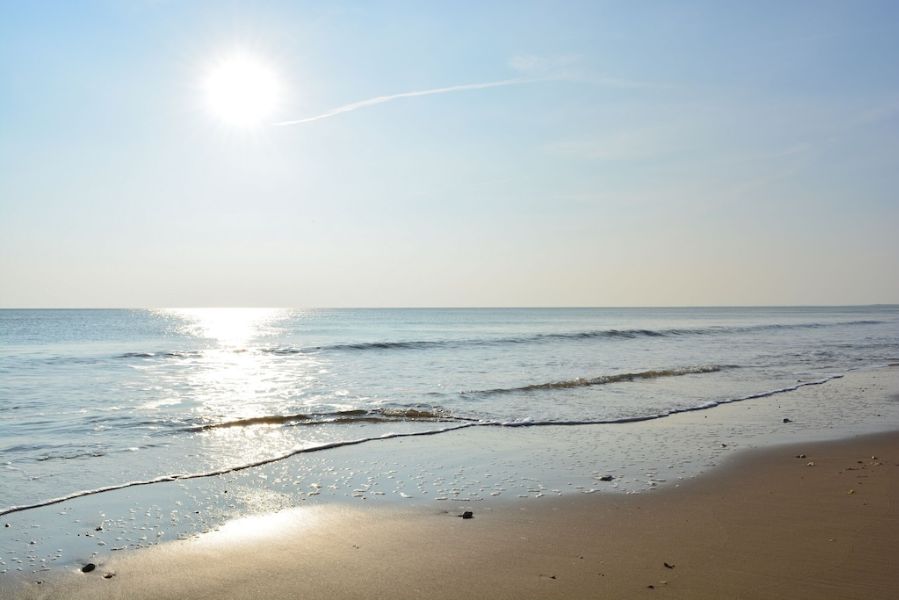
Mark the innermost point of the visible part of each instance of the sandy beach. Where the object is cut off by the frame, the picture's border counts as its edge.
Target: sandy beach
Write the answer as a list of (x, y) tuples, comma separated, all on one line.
[(450, 301), (799, 521)]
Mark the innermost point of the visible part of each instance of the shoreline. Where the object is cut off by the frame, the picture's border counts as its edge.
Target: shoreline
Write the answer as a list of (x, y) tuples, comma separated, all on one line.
[(766, 524), (504, 476), (681, 415)]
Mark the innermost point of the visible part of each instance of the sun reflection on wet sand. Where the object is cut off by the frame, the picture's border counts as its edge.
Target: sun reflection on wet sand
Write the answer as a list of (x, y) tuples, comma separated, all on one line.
[(256, 527)]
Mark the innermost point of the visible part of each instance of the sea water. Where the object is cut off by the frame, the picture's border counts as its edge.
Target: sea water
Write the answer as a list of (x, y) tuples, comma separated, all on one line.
[(94, 400)]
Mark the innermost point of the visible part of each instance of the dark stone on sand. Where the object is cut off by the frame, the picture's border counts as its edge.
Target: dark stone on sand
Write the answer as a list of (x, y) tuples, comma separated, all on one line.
[(108, 575), (606, 478), (651, 587), (99, 528), (786, 420), (467, 515), (667, 566), (88, 568)]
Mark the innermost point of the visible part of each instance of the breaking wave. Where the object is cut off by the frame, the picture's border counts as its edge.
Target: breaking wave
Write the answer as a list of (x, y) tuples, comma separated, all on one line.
[(387, 436), (172, 354), (375, 415), (605, 379)]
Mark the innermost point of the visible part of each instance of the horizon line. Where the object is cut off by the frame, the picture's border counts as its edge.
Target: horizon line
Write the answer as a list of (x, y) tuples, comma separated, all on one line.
[(472, 307)]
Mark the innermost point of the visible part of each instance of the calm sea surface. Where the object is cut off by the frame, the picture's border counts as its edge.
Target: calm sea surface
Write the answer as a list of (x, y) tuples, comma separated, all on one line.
[(98, 398)]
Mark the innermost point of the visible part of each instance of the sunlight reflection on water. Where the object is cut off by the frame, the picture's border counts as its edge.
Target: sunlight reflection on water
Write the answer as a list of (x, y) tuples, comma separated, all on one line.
[(235, 379), (228, 327)]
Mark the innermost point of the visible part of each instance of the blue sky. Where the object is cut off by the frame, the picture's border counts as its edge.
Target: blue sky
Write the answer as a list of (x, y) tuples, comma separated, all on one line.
[(689, 153)]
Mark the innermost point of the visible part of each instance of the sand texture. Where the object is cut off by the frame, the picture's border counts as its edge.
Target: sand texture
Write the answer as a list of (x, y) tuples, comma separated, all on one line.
[(767, 525)]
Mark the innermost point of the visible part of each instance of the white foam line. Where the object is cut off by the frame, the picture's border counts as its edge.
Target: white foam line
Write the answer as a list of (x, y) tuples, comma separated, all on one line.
[(387, 436), (668, 413), (259, 463)]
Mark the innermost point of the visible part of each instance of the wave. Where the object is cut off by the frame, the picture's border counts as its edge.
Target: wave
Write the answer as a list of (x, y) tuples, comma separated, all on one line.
[(439, 414), (395, 435), (172, 354), (561, 336), (610, 334), (673, 411), (410, 345), (604, 379), (448, 343), (375, 415)]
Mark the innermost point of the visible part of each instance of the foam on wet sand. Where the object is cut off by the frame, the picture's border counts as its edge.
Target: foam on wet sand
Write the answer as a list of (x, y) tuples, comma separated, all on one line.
[(814, 520)]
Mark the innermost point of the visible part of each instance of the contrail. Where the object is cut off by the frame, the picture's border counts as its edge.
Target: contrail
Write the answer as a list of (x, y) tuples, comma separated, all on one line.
[(382, 99)]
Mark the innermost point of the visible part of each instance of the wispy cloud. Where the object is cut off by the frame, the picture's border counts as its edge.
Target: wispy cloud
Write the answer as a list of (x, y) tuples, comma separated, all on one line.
[(429, 92), (571, 67)]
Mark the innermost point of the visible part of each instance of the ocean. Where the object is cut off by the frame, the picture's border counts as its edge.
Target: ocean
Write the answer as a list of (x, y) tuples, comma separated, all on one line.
[(94, 401)]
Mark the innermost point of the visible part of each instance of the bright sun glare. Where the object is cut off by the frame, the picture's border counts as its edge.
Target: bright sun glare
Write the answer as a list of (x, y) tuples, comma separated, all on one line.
[(241, 90)]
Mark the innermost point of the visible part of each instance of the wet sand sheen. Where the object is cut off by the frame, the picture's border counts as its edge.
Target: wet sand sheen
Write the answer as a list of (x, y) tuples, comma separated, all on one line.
[(768, 525)]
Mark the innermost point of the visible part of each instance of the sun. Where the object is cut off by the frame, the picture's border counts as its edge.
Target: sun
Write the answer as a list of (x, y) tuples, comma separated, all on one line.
[(241, 90)]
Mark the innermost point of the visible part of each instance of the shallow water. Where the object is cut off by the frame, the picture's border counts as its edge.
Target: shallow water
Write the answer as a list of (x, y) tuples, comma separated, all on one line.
[(93, 399)]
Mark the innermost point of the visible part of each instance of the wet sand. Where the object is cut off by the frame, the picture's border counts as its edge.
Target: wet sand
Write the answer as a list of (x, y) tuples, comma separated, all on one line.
[(766, 525)]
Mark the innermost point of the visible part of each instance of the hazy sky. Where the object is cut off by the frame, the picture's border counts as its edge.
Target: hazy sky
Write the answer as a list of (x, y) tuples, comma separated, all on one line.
[(623, 153)]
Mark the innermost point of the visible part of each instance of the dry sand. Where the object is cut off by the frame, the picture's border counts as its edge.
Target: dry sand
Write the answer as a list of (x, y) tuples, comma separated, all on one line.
[(767, 525)]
